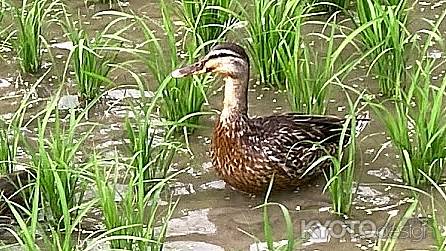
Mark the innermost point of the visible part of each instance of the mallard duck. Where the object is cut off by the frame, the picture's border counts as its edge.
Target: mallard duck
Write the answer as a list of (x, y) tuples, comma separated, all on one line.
[(246, 152)]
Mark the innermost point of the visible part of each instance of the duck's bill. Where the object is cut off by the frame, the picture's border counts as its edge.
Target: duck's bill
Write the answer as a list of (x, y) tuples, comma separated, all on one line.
[(196, 68)]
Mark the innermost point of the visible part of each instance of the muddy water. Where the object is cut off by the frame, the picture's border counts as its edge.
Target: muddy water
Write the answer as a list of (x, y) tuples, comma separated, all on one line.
[(212, 216)]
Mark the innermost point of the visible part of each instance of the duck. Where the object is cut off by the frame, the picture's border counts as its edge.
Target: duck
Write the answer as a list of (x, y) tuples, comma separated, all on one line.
[(248, 151)]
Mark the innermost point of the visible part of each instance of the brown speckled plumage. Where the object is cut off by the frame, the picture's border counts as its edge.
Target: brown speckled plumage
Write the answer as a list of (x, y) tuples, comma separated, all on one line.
[(247, 152)]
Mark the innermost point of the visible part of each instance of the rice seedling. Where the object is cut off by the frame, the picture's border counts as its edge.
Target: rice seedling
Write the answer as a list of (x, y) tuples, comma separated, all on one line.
[(59, 184), (415, 125), (90, 62), (104, 1), (272, 25), (31, 231), (271, 245), (437, 220), (206, 21), (389, 33), (62, 179), (132, 222), (389, 243), (308, 76), (15, 187), (7, 154), (14, 184), (342, 173), (152, 148), (10, 134), (149, 150), (182, 97), (343, 4), (5, 34), (26, 237), (267, 229), (30, 19), (136, 221)]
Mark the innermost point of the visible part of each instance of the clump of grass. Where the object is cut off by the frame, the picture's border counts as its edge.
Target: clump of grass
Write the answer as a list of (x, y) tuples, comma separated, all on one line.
[(91, 63), (342, 172), (272, 25), (30, 19), (206, 21), (309, 76), (306, 74), (149, 150), (390, 243), (132, 221), (151, 146), (54, 159), (31, 231), (416, 125), (389, 34), (182, 98), (271, 245), (57, 193), (436, 220)]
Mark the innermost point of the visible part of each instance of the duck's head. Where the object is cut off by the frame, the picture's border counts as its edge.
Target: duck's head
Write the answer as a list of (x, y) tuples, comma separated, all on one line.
[(228, 60)]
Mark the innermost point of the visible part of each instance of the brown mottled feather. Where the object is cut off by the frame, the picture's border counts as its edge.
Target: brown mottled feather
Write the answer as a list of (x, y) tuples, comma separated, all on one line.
[(247, 152)]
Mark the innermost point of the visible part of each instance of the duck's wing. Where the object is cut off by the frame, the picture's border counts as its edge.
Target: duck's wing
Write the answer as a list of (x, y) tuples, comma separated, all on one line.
[(294, 141)]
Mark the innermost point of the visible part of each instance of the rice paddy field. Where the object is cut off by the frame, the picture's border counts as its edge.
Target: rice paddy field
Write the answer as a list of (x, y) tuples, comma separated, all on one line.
[(100, 149)]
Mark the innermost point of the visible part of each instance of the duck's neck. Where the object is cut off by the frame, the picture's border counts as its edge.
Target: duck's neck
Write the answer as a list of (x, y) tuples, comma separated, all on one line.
[(235, 101)]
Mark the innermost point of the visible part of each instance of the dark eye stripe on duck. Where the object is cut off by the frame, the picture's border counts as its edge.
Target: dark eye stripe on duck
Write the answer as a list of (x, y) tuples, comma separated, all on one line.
[(223, 53)]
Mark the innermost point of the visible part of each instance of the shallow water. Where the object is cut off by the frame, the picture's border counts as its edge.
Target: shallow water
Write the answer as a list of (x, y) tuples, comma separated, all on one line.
[(212, 216)]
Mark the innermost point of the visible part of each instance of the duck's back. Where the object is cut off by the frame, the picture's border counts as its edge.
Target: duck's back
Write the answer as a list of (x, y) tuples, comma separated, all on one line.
[(247, 151), (294, 142)]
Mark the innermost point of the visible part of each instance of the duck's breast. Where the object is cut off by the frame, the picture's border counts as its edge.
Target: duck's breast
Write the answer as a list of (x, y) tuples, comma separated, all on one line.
[(238, 160)]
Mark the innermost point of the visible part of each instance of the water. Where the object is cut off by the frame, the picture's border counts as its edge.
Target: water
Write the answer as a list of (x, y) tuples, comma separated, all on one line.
[(211, 216)]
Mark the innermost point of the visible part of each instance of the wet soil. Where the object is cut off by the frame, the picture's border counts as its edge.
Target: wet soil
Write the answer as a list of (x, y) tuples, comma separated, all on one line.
[(210, 215)]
